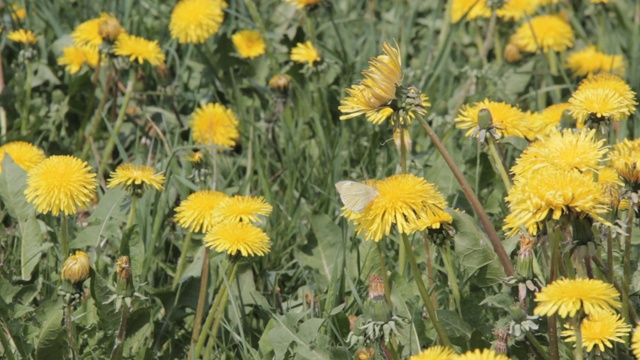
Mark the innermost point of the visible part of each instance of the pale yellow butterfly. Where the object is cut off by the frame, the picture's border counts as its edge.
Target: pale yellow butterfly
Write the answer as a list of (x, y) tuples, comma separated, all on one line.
[(355, 196)]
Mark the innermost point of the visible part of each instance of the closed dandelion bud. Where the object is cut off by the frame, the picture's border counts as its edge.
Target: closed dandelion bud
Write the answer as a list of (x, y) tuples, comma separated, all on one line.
[(524, 264), (397, 138), (109, 28), (77, 268), (377, 307), (280, 82), (517, 314), (567, 121), (124, 283), (512, 53), (485, 120)]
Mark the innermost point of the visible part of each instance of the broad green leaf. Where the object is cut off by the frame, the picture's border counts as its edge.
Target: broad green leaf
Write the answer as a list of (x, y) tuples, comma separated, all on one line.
[(105, 220), (101, 293), (51, 339), (13, 182), (453, 324), (322, 250)]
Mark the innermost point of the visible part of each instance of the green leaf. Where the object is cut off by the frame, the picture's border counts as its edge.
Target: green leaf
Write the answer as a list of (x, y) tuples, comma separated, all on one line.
[(323, 250), (105, 220), (50, 342), (13, 182), (101, 293), (287, 332)]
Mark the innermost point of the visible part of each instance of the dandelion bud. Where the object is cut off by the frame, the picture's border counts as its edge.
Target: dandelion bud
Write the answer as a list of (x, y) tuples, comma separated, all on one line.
[(109, 28), (397, 138), (485, 120), (124, 283), (524, 265), (377, 307), (280, 82), (502, 337), (512, 53), (76, 268)]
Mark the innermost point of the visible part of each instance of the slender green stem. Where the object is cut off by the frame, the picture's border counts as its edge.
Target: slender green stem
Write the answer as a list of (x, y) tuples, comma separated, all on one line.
[(453, 280), (497, 162), (116, 352), (27, 100), (182, 262), (124, 244), (578, 353), (197, 322), (472, 198), (385, 275), (155, 235), (556, 235), (64, 237), (542, 352), (425, 294), (4, 340), (71, 329), (626, 266), (223, 302), (94, 124), (119, 121), (429, 263)]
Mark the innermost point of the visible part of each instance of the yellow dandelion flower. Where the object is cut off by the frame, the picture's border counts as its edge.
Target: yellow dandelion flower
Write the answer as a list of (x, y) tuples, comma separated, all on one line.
[(477, 354), (611, 185), (196, 157), (508, 120), (23, 36), (110, 28), (602, 1), (602, 96), (76, 268), (194, 21), (566, 296), (301, 4), (406, 201), (136, 178), (280, 82), (635, 342), (242, 209), (88, 33), (18, 13), (471, 8), (73, 57), (589, 61), (625, 159), (435, 353), (549, 118), (196, 211), (517, 9), (305, 53), (548, 32), (600, 328), (60, 184), (214, 124), (564, 150), (138, 49), (24, 154), (550, 191), (249, 43), (234, 237)]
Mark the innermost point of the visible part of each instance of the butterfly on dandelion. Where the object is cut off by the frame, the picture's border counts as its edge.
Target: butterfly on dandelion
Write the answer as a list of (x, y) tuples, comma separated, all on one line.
[(354, 195)]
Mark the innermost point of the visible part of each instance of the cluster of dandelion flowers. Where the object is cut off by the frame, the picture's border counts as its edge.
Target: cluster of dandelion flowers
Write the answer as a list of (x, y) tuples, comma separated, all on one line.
[(435, 353), (238, 237), (24, 154), (136, 178), (196, 212), (625, 159), (88, 33), (305, 53), (508, 120), (477, 354), (214, 124), (241, 209), (406, 201), (138, 49), (302, 4), (567, 296), (517, 9), (548, 32), (22, 36), (76, 268), (249, 43), (600, 328), (589, 61), (194, 21), (60, 184), (552, 192), (566, 150), (73, 57), (471, 8), (602, 96)]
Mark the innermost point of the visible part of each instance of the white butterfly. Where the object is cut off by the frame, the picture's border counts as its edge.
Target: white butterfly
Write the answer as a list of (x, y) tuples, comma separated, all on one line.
[(356, 196)]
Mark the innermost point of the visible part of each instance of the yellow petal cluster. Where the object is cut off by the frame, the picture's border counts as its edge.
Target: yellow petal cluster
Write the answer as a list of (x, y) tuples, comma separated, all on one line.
[(601, 328), (135, 176), (589, 61), (73, 57), (507, 119), (566, 296), (194, 21), (602, 96), (22, 36), (249, 43), (305, 53), (24, 154), (544, 32), (473, 9), (138, 49), (214, 124)]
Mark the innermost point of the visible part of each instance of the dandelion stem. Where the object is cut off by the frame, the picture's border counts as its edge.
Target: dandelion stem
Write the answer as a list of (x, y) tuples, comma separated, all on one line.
[(429, 263), (116, 353), (119, 120), (472, 198), (578, 354), (497, 162), (197, 322), (94, 124), (71, 331), (64, 237), (626, 267), (124, 244), (27, 100), (453, 280), (385, 275), (540, 351), (425, 294), (223, 302), (182, 262), (556, 235)]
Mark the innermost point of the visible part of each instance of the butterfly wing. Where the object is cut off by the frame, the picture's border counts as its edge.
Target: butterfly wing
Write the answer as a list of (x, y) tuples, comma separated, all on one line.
[(354, 195)]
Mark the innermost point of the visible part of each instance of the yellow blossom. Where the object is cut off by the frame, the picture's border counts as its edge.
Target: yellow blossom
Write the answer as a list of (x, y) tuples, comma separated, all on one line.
[(249, 43), (138, 49), (566, 296), (23, 36), (305, 53), (545, 32), (214, 124), (24, 154), (194, 21), (76, 267)]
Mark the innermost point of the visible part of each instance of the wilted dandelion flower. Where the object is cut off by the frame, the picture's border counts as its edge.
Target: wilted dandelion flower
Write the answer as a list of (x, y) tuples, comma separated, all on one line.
[(24, 154), (566, 296), (280, 82), (477, 354), (602, 96), (517, 9), (472, 8), (194, 21), (234, 237), (552, 192), (508, 120), (435, 353), (214, 124), (73, 57), (564, 150), (76, 268), (305, 53), (196, 211), (406, 201), (88, 33), (301, 4), (625, 159), (548, 32), (138, 49), (136, 178), (600, 328), (249, 43), (589, 61), (241, 209), (22, 36), (60, 184)]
